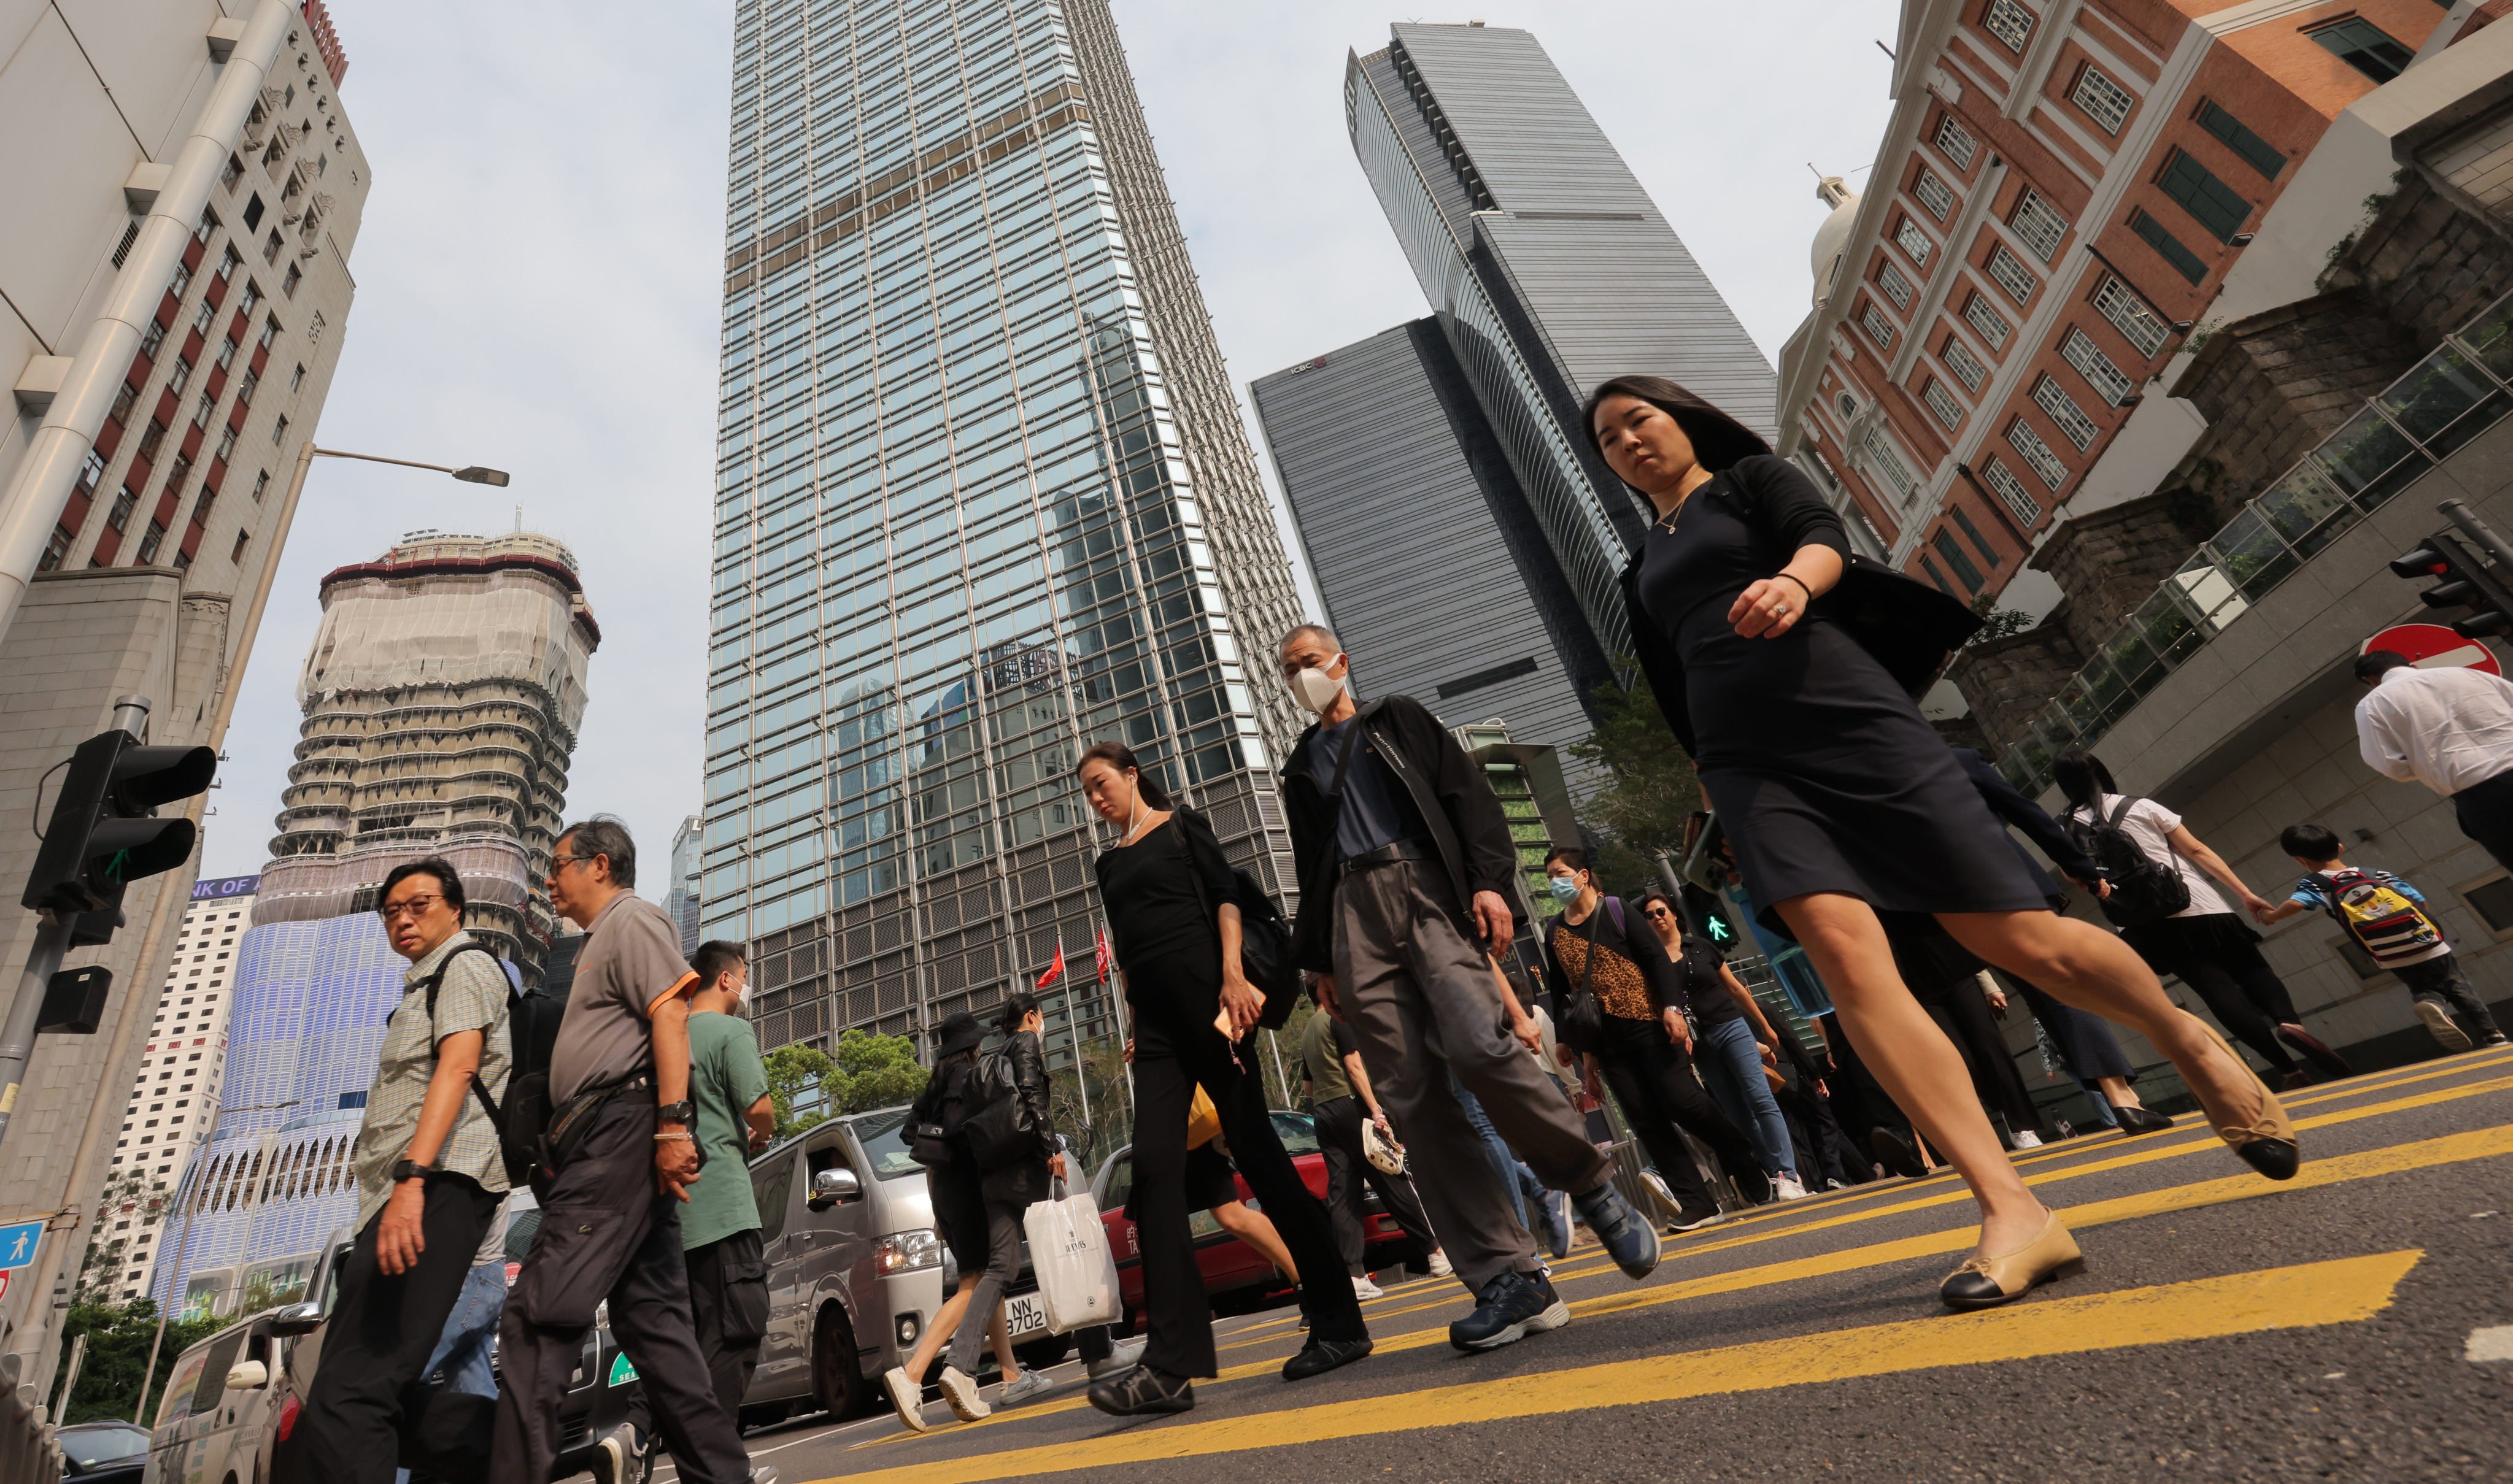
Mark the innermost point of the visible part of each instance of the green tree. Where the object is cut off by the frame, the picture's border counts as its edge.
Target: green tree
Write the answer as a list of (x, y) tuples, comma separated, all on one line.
[(796, 1071), (871, 1070), (1651, 788), (118, 1338), (128, 1198), (1998, 622)]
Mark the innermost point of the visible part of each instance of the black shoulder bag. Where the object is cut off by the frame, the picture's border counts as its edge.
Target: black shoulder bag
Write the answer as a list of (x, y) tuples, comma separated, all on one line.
[(1584, 1020), (1265, 938)]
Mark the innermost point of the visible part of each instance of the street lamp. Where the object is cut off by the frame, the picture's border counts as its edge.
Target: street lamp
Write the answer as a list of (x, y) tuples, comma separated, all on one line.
[(182, 1187)]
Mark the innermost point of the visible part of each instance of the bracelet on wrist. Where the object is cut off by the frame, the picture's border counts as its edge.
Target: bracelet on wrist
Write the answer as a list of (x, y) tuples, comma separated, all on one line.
[(678, 1133), (1800, 581)]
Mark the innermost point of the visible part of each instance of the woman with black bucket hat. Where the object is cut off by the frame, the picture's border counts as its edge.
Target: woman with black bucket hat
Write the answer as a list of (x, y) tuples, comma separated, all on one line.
[(1786, 668)]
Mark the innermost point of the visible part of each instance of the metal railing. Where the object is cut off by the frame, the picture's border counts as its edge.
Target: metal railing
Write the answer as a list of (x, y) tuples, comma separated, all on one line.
[(2461, 389)]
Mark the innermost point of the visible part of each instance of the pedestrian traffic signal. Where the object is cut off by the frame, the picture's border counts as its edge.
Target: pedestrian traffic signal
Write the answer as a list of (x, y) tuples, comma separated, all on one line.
[(103, 834), (2467, 584)]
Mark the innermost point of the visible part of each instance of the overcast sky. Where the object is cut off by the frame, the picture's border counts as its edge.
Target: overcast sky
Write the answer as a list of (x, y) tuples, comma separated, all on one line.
[(539, 281)]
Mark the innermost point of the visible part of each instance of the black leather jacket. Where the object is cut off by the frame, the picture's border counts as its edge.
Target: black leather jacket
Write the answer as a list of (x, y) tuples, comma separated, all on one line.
[(1026, 1180)]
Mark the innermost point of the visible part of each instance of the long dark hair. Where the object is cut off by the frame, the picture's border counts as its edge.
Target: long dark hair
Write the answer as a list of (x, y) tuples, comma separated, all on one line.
[(1119, 755), (2082, 777), (1016, 1007), (1718, 440)]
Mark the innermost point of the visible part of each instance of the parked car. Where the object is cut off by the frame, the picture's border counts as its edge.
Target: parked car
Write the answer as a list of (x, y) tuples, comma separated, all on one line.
[(856, 1270), (1230, 1266), (231, 1405), (103, 1452)]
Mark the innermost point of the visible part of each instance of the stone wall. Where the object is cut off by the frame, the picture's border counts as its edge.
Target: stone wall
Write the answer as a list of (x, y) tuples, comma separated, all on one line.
[(2007, 681), (2108, 561)]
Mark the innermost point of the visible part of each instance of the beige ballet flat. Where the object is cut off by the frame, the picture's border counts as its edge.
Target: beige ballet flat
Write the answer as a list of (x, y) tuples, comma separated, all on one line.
[(1987, 1282)]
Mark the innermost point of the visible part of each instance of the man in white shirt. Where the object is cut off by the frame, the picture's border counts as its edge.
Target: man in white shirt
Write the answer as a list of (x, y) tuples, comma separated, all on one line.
[(2450, 728)]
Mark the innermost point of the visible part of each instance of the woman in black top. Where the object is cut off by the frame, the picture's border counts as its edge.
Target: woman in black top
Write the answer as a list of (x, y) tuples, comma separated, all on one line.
[(1841, 801), (1171, 921), (1646, 1049)]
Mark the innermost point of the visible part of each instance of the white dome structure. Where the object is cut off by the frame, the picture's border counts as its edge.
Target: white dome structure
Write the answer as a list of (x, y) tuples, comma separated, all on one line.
[(1833, 237)]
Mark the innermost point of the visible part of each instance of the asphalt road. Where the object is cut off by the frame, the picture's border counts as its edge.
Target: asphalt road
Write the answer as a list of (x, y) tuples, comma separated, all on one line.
[(2225, 1328)]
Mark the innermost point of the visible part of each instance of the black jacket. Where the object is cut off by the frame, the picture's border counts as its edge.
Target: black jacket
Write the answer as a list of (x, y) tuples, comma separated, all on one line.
[(1448, 800), (1909, 626), (2010, 806), (1026, 1180)]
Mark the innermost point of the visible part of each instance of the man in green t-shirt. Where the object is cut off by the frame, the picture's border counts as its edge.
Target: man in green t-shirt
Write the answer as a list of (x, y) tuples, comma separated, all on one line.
[(720, 1224)]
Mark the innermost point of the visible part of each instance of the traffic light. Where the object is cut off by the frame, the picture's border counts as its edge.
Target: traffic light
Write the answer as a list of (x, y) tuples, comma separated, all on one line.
[(103, 835), (2466, 584)]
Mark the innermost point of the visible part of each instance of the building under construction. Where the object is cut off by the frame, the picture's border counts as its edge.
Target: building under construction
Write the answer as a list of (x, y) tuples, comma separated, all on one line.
[(441, 699)]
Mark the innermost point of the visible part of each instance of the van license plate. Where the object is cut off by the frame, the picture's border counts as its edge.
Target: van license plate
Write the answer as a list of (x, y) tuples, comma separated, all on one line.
[(1025, 1314)]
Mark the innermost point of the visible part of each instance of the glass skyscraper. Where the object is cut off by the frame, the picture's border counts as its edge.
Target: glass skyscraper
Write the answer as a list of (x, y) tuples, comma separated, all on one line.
[(982, 498)]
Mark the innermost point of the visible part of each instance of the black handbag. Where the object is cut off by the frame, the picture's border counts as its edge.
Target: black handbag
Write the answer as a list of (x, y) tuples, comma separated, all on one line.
[(1584, 1020), (1265, 938)]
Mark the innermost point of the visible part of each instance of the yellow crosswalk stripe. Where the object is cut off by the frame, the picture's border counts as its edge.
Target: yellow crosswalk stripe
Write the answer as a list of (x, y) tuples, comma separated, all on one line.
[(2426, 1154), (2307, 1296)]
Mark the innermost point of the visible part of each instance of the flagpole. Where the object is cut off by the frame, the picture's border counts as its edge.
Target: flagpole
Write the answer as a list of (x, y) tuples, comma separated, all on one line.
[(1117, 1002)]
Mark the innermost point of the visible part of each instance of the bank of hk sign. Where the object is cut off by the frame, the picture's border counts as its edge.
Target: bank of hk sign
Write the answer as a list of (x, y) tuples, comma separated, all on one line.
[(225, 886)]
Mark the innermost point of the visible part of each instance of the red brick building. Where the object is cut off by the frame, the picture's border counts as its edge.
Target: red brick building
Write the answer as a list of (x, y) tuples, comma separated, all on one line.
[(2061, 194)]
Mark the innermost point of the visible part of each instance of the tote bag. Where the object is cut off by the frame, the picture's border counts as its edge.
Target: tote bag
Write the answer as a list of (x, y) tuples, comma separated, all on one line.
[(1077, 1273)]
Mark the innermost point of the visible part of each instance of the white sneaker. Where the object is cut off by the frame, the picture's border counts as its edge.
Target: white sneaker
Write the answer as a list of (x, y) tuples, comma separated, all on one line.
[(1122, 1357), (1657, 1186), (907, 1398), (2026, 1138), (1441, 1266), (1363, 1288), (1029, 1383), (2447, 1031), (1786, 1188), (962, 1393)]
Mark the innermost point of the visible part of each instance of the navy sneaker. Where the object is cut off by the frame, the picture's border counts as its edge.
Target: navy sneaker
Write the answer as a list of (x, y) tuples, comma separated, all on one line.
[(1629, 1240), (1508, 1308)]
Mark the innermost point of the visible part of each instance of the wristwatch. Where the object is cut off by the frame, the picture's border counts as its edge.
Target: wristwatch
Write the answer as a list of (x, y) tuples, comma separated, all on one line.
[(411, 1169), (675, 1112)]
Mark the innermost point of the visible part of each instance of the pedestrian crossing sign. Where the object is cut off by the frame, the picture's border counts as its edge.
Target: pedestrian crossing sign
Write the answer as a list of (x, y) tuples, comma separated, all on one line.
[(17, 1242), (622, 1371)]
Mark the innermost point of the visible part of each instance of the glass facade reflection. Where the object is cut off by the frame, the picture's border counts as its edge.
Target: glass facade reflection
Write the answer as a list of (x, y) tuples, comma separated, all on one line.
[(975, 509)]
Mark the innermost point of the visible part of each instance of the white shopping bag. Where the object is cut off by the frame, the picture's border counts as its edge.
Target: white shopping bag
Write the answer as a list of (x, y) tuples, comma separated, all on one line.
[(1077, 1274)]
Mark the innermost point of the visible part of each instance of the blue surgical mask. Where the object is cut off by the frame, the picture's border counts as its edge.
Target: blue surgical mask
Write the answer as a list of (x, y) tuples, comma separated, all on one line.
[(1564, 888)]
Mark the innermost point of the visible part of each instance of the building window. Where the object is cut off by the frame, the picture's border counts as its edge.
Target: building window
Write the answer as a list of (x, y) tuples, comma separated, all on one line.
[(226, 354), (1956, 142), (1934, 194), (55, 549), (2119, 303), (201, 413), (1960, 360), (261, 483), (246, 387), (227, 446), (150, 543), (90, 472), (228, 177), (1879, 328), (179, 282), (2042, 225), (2258, 153), (2184, 261), (124, 503), (151, 338), (288, 286), (1984, 316), (1972, 534), (2107, 380), (237, 554), (1896, 288), (271, 246), (1849, 405), (278, 431), (2053, 399), (269, 332), (151, 438), (298, 379), (2010, 21), (1910, 239), (2210, 202), (2012, 275), (2020, 500), (180, 377), (2364, 46), (1943, 403), (2021, 437), (202, 317), (1886, 462), (1953, 557), (2105, 102), (123, 401)]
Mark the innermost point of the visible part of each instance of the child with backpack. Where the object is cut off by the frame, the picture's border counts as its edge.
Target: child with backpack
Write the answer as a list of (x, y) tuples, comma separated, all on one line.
[(2388, 918)]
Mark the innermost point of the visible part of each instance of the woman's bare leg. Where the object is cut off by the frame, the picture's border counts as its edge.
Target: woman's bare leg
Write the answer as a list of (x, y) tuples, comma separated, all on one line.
[(2116, 1091), (999, 1331), (1920, 1068), (1256, 1229), (2084, 966), (938, 1333)]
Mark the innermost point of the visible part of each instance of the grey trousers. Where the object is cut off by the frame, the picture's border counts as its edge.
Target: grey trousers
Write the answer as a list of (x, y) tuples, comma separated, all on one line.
[(1003, 1265), (1423, 1002)]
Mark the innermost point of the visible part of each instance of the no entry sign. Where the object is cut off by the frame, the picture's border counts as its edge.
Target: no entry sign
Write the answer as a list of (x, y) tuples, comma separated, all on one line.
[(2432, 647)]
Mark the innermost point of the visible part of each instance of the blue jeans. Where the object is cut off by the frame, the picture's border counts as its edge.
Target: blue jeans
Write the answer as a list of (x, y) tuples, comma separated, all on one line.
[(1515, 1178), (461, 1353), (1731, 1066)]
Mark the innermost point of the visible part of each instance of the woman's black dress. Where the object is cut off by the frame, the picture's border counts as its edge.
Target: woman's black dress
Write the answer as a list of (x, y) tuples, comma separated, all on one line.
[(1824, 774)]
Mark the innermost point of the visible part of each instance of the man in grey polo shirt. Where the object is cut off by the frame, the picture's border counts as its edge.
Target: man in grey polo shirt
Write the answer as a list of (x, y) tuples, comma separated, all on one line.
[(624, 1158)]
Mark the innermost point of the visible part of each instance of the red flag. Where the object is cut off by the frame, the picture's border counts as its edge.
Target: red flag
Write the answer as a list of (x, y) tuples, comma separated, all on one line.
[(1107, 960), (1054, 971)]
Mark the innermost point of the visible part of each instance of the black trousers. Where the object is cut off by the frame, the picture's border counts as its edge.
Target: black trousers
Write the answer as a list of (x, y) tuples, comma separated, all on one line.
[(1653, 1083), (2484, 811), (607, 1234), (1962, 1011), (2220, 961), (1338, 1124), (380, 1333), (1175, 1054), (2439, 979), (729, 1311)]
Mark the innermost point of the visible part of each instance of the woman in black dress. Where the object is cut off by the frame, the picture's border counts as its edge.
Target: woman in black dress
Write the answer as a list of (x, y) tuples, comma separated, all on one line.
[(1171, 921), (1842, 802)]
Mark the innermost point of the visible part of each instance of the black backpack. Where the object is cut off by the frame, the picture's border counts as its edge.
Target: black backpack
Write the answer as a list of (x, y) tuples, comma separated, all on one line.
[(2143, 890), (532, 1036), (1000, 1127)]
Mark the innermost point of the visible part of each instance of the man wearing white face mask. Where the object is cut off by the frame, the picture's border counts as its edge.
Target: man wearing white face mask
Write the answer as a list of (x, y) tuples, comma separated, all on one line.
[(1406, 865)]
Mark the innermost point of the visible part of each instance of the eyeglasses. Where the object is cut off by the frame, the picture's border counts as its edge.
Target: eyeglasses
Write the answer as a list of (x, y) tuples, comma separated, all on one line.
[(409, 907), (559, 863), (1658, 912)]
